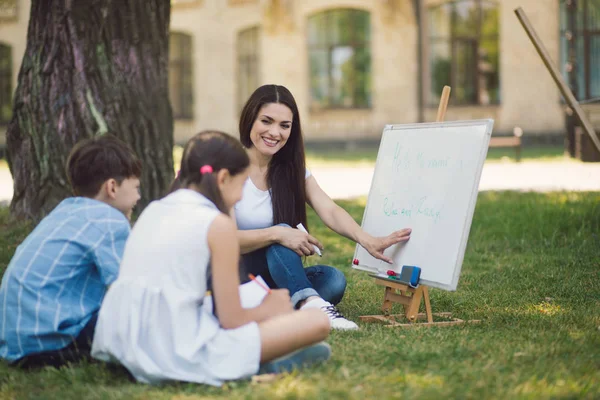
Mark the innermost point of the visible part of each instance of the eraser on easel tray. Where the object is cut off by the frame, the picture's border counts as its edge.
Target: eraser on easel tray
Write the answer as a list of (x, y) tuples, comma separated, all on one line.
[(411, 275)]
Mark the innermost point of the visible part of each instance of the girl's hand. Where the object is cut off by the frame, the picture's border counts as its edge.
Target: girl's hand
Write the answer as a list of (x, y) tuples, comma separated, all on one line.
[(278, 302), (377, 245), (298, 241)]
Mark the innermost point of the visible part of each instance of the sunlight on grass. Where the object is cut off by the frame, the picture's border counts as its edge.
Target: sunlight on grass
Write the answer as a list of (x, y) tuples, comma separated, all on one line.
[(545, 308), (189, 397), (413, 380), (576, 334), (559, 388), (362, 201), (568, 197), (292, 386)]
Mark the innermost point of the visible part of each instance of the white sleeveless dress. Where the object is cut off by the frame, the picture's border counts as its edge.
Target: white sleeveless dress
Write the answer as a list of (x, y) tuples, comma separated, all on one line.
[(152, 320)]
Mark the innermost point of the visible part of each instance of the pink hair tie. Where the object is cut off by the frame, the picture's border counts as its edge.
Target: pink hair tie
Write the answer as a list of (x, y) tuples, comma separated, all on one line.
[(206, 169)]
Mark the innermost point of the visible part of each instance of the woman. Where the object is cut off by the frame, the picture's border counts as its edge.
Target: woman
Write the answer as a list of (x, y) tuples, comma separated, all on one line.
[(274, 203)]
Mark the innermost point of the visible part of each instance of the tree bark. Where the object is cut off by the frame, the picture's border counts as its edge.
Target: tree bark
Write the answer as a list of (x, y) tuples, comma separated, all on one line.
[(91, 67)]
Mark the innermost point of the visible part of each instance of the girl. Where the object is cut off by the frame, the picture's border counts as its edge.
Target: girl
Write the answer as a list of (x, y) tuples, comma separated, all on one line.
[(273, 202), (152, 320)]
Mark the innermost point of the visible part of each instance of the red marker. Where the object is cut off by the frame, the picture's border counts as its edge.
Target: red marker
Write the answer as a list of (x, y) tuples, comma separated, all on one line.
[(355, 262), (391, 273)]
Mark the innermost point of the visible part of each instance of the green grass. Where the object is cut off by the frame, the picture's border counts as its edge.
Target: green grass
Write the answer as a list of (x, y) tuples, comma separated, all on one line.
[(368, 156), (540, 153), (531, 273)]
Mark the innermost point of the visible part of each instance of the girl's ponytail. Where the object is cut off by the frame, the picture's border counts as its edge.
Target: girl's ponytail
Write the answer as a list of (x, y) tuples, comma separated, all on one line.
[(203, 157), (210, 188)]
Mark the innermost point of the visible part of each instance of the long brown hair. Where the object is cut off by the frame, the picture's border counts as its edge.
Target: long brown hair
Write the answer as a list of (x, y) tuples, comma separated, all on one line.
[(287, 168), (216, 149)]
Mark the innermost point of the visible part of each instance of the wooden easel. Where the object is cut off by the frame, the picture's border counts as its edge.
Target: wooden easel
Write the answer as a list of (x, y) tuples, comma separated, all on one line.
[(410, 298)]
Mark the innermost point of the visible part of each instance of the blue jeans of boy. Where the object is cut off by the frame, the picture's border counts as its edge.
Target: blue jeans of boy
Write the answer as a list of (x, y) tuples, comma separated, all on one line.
[(282, 268)]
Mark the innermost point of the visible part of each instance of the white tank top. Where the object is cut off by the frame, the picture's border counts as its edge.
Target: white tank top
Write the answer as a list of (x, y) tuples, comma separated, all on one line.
[(255, 210)]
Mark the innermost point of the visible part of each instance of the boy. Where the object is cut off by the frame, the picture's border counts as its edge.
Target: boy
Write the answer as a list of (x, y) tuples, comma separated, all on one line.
[(53, 287)]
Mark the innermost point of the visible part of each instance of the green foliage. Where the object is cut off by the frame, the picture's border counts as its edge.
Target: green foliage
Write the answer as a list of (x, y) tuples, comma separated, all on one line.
[(440, 73), (531, 273)]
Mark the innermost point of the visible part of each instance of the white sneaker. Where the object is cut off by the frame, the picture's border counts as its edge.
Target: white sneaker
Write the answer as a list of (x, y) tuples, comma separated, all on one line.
[(336, 319)]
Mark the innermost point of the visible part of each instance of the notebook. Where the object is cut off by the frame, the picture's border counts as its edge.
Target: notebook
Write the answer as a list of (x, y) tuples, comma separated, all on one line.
[(251, 295)]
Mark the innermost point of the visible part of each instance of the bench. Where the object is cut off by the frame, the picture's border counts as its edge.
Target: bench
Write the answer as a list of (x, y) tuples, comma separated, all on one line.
[(509, 141)]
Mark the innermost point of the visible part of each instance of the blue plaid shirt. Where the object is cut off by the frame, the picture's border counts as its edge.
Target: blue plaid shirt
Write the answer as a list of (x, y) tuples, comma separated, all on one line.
[(57, 278)]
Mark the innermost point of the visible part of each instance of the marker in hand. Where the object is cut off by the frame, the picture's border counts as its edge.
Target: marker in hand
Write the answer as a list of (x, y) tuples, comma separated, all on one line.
[(303, 229)]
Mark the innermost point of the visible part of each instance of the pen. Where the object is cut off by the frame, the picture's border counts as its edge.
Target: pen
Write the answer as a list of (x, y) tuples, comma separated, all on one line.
[(303, 229), (259, 283)]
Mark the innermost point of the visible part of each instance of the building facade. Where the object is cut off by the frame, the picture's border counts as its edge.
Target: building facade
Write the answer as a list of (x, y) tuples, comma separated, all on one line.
[(356, 65)]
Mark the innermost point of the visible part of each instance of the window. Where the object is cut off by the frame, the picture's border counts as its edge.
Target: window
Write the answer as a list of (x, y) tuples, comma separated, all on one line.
[(181, 87), (340, 59), (8, 10), (5, 84), (463, 51), (580, 46), (248, 54), (241, 2), (186, 2)]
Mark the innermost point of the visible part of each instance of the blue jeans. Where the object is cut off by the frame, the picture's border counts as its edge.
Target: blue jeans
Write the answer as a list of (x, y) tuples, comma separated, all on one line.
[(282, 268)]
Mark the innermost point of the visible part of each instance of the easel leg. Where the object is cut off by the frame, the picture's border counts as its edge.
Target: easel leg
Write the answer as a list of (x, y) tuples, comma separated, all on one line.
[(427, 305), (387, 303), (413, 307)]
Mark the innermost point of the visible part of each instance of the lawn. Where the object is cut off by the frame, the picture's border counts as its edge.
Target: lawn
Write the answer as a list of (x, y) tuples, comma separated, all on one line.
[(368, 156), (531, 273)]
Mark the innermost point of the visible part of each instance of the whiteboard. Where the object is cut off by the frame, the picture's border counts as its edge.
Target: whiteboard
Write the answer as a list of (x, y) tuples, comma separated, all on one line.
[(426, 178)]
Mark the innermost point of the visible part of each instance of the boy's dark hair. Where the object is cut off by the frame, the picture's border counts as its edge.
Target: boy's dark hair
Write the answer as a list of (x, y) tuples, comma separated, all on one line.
[(93, 161), (286, 174), (220, 151)]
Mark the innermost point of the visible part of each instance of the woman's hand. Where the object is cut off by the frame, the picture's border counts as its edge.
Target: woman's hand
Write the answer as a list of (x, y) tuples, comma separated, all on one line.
[(298, 241), (277, 302), (377, 245)]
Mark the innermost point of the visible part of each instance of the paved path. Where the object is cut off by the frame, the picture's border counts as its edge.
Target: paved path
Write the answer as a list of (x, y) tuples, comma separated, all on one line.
[(6, 188), (348, 182), (526, 176)]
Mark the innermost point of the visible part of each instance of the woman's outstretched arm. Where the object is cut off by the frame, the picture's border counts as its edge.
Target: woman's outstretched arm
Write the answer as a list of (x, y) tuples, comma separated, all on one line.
[(338, 220)]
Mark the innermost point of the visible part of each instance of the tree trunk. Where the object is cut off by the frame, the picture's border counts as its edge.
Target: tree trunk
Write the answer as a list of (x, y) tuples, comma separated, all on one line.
[(90, 67)]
